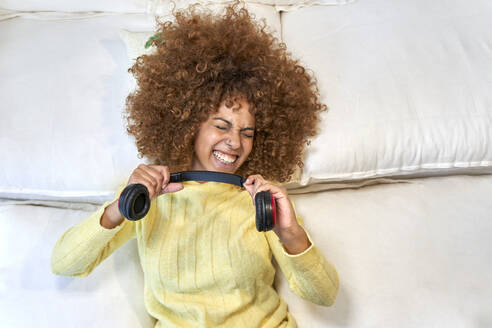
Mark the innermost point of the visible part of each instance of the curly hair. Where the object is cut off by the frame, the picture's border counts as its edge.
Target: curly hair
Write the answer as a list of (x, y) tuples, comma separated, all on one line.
[(201, 60)]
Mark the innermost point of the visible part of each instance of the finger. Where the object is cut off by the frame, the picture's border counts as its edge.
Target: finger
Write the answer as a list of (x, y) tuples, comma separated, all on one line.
[(135, 174), (259, 183), (253, 179), (273, 188), (142, 169), (172, 187), (252, 183), (159, 174), (164, 172), (143, 177), (138, 179), (167, 186), (152, 176), (276, 191), (264, 187)]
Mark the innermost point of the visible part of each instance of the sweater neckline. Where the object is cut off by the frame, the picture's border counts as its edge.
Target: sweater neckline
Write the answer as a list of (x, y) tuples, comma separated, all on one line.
[(212, 185)]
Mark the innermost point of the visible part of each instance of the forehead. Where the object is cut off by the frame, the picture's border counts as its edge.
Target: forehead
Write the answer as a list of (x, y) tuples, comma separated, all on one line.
[(235, 115)]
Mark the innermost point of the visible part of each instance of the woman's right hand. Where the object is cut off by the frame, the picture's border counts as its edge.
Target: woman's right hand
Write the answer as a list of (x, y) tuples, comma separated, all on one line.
[(155, 178)]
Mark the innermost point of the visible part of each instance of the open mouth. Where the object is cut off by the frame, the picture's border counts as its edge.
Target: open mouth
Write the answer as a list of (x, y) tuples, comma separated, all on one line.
[(225, 158)]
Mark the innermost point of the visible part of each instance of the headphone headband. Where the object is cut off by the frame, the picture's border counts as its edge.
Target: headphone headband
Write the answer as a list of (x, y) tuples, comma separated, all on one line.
[(207, 176), (134, 202)]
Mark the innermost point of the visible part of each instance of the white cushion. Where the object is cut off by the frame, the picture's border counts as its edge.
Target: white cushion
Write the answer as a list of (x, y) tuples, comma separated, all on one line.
[(62, 89), (145, 6), (135, 40), (122, 6), (111, 296), (408, 255), (280, 5), (407, 83)]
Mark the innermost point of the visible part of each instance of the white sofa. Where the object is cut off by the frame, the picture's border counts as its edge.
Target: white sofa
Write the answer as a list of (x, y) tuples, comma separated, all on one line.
[(396, 190)]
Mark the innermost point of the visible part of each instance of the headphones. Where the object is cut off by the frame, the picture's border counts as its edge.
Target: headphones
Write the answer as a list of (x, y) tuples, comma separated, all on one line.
[(134, 201)]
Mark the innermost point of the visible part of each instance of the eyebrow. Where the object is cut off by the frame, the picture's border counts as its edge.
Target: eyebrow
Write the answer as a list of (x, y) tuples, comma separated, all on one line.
[(230, 124)]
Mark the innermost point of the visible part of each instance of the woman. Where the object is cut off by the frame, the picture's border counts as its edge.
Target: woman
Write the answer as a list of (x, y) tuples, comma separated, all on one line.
[(218, 94)]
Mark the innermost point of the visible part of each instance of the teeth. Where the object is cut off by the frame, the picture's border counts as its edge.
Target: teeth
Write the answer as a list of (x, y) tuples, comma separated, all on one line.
[(224, 158)]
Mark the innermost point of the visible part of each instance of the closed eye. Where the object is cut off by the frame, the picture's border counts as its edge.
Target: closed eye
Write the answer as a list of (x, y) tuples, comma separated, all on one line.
[(223, 128)]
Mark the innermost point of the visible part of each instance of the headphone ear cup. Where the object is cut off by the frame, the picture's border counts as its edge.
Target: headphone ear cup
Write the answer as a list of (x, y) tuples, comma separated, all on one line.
[(259, 212), (269, 211), (264, 211), (134, 202)]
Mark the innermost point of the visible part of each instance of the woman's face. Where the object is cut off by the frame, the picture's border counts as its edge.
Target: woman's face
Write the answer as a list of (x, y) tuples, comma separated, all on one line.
[(225, 140)]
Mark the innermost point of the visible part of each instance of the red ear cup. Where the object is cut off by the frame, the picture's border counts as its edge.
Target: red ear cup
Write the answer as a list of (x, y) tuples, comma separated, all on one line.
[(265, 211)]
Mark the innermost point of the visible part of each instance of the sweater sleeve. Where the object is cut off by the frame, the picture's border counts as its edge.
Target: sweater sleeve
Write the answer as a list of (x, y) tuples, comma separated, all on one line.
[(82, 247), (309, 274)]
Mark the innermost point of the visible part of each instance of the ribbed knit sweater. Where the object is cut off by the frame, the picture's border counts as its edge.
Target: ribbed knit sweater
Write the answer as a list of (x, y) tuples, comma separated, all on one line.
[(204, 262)]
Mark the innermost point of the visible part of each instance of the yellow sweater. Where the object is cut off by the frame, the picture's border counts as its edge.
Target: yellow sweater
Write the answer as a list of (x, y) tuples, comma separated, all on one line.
[(204, 262)]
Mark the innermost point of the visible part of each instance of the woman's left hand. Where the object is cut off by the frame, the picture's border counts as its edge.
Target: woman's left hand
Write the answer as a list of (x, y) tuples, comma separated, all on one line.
[(286, 226)]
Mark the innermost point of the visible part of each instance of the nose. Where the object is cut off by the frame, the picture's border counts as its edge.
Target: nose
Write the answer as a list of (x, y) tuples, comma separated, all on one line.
[(233, 140)]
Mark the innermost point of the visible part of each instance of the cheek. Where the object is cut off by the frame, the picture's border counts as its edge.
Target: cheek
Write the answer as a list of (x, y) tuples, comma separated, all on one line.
[(248, 146), (204, 140)]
